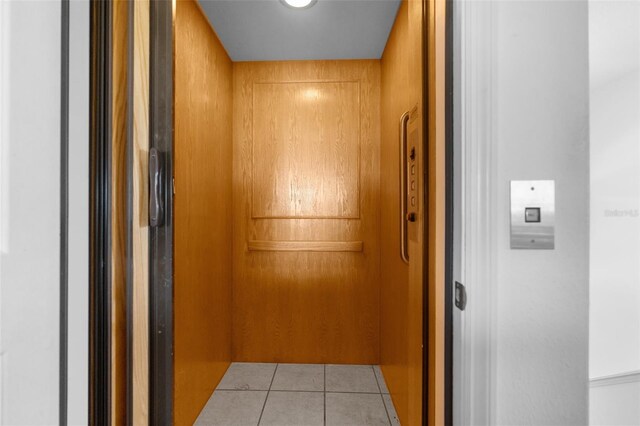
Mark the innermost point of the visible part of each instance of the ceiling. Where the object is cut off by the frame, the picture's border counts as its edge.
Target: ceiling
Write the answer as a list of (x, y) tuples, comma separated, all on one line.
[(267, 30)]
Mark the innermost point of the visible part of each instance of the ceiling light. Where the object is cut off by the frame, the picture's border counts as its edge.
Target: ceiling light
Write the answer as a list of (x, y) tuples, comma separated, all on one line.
[(299, 4)]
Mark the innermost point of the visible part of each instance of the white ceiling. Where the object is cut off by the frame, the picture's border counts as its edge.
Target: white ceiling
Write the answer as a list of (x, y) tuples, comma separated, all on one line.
[(267, 30), (614, 39)]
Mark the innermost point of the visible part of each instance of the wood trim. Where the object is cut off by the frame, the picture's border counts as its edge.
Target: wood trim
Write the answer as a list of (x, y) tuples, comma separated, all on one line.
[(140, 226), (436, 215), (309, 246)]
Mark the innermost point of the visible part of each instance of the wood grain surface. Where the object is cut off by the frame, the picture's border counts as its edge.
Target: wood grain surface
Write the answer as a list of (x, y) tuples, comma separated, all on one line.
[(417, 243), (394, 282), (203, 211), (140, 225), (317, 246), (436, 215), (301, 306), (119, 213), (306, 149)]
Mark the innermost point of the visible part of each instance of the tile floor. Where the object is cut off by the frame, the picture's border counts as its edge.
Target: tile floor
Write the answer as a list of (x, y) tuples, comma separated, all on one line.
[(252, 394)]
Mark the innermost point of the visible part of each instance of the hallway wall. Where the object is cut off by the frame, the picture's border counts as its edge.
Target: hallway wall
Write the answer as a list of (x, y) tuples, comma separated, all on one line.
[(203, 220), (614, 333), (541, 94), (306, 202), (30, 57)]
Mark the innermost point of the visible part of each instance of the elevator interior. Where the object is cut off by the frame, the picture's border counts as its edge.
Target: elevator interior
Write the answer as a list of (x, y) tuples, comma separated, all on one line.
[(290, 199)]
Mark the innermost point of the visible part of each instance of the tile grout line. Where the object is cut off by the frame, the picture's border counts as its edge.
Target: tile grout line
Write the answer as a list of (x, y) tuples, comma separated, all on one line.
[(324, 393), (275, 370), (297, 391), (381, 396)]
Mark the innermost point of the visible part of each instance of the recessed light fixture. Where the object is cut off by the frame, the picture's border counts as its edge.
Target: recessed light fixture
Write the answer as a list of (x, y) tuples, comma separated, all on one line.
[(299, 4)]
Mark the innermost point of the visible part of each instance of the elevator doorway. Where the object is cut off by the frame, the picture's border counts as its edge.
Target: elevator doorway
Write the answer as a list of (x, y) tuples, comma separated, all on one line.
[(289, 219)]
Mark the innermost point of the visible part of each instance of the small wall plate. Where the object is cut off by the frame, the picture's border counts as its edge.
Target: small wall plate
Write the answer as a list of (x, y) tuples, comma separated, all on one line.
[(533, 214)]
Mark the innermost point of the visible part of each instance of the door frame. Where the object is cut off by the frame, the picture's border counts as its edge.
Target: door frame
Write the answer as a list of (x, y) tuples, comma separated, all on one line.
[(100, 215), (472, 149), (161, 238), (161, 124), (450, 218)]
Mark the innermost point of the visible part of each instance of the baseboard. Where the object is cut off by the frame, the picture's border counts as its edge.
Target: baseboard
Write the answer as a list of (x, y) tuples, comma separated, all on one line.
[(615, 379)]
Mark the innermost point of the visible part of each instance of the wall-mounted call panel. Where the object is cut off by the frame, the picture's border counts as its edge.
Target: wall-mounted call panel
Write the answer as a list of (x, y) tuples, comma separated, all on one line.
[(533, 214)]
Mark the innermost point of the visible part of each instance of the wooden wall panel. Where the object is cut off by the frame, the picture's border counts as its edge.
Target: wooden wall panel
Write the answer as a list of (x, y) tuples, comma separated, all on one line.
[(394, 282), (140, 213), (202, 207), (300, 306), (304, 162), (417, 245), (404, 77), (119, 214)]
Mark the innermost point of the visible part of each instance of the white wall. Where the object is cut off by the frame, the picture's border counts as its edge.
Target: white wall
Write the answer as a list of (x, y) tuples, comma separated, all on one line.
[(615, 226), (615, 404), (541, 131), (30, 209), (614, 32), (78, 339)]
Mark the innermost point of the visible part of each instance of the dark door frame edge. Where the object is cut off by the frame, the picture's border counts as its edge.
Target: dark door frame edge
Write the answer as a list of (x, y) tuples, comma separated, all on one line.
[(449, 217), (448, 355), (64, 212), (425, 240), (100, 214), (161, 237)]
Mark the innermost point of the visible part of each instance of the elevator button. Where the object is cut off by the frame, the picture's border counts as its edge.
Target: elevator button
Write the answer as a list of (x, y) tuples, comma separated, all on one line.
[(532, 215), (413, 185), (413, 169), (413, 201)]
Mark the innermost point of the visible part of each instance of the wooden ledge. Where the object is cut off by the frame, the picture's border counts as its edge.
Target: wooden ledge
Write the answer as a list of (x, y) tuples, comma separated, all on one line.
[(310, 246)]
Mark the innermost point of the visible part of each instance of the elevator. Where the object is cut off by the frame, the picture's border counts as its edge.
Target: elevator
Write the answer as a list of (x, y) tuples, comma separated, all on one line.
[(289, 207)]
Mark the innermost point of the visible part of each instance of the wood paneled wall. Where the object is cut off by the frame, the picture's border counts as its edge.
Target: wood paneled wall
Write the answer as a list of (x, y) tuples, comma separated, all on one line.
[(394, 273), (417, 244), (203, 211), (306, 169), (402, 286), (314, 226)]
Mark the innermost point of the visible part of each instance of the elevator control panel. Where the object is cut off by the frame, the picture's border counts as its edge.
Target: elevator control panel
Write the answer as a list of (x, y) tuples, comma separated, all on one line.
[(413, 178), (533, 214)]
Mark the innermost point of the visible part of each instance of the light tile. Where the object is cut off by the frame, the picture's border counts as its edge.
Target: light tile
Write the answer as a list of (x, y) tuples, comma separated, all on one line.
[(238, 408), (293, 409), (299, 377), (380, 378), (351, 378), (391, 410), (355, 409), (247, 376)]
